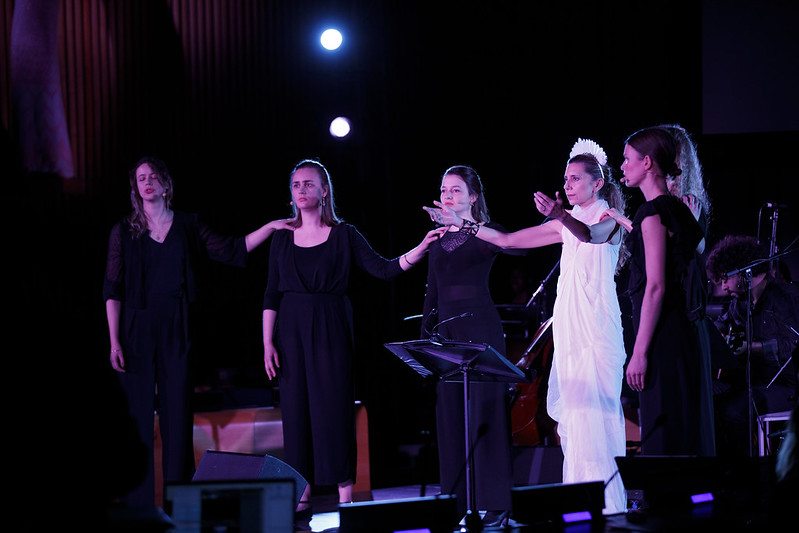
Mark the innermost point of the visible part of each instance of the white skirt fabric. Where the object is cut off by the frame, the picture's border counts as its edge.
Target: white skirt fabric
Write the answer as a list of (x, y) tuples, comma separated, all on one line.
[(584, 394)]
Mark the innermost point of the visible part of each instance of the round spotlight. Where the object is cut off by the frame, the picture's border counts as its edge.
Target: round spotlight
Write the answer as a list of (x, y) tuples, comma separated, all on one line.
[(331, 39), (340, 127)]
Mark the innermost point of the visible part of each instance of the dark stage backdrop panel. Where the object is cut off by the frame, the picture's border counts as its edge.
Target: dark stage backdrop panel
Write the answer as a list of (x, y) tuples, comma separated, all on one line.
[(750, 66)]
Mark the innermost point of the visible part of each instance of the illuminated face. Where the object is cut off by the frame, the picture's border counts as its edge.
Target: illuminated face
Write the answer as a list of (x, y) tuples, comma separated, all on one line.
[(306, 188), (579, 186), (633, 167), (148, 182), (455, 195)]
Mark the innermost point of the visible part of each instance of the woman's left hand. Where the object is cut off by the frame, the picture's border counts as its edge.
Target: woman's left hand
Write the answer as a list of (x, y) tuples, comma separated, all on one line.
[(636, 371)]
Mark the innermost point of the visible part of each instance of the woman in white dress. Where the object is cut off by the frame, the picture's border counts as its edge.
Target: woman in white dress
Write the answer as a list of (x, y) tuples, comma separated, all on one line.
[(584, 393)]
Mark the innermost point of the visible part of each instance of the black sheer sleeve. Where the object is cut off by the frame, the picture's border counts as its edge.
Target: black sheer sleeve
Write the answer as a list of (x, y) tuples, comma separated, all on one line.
[(114, 282)]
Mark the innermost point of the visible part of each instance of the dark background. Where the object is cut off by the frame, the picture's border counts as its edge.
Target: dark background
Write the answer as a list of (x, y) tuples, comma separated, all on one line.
[(232, 94)]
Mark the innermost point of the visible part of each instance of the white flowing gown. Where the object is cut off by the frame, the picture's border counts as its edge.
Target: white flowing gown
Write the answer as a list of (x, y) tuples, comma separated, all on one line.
[(584, 394)]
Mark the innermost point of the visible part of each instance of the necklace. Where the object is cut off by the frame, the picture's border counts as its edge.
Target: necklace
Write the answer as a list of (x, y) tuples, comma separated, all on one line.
[(158, 230)]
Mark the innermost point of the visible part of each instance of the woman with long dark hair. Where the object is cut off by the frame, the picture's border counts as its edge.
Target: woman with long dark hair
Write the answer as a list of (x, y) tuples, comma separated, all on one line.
[(458, 284), (584, 388), (665, 366)]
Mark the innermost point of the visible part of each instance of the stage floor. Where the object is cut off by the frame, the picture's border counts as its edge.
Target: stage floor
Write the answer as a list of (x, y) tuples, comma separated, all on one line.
[(696, 518)]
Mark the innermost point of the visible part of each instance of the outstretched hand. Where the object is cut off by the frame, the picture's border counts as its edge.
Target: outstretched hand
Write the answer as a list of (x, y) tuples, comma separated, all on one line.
[(549, 207), (693, 204), (620, 219), (443, 215), (432, 236), (283, 223)]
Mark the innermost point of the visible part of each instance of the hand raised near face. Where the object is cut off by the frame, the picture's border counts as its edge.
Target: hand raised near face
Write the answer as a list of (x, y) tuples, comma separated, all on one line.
[(549, 207), (443, 215)]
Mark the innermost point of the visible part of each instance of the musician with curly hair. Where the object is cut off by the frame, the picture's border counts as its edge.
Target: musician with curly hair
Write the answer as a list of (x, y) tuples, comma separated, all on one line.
[(740, 265)]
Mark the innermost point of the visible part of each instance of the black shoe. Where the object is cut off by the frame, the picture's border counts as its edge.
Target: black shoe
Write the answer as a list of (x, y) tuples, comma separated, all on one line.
[(302, 519), (496, 518)]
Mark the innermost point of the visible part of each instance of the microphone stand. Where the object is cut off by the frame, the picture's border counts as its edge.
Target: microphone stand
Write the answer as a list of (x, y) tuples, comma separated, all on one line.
[(541, 287), (773, 242), (541, 319), (750, 399)]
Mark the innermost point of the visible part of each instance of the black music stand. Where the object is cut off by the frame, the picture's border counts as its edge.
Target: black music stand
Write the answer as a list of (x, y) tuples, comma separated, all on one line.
[(456, 361)]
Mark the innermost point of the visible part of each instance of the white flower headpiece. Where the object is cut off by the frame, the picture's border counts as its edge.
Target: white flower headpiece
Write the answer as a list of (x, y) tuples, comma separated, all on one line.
[(587, 146)]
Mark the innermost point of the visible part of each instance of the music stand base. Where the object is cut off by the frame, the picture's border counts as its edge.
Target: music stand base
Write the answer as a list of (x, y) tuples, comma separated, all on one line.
[(472, 522)]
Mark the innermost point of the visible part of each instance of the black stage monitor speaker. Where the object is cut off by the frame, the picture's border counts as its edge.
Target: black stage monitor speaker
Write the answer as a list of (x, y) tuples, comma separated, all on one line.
[(669, 482), (558, 502), (438, 514), (219, 466)]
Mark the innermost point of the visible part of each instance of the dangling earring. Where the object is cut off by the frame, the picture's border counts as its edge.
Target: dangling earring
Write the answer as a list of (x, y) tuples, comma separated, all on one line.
[(323, 201)]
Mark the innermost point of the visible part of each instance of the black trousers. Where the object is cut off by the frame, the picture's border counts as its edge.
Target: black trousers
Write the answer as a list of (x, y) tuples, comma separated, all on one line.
[(156, 349)]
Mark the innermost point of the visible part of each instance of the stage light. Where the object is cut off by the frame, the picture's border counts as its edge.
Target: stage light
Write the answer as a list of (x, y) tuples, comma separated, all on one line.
[(579, 516), (702, 498), (331, 39), (340, 127)]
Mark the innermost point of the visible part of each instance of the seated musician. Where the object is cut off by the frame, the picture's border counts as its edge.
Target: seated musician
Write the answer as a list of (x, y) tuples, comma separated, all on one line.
[(772, 343)]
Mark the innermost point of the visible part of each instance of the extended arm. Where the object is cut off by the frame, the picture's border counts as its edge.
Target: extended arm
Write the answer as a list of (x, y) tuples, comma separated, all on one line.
[(532, 237), (257, 237), (413, 256), (599, 233), (622, 220)]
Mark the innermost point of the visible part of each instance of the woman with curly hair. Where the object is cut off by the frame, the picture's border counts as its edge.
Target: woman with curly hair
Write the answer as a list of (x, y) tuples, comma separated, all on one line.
[(149, 290)]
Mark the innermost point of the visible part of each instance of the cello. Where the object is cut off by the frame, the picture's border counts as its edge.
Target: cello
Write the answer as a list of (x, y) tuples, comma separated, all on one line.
[(530, 424)]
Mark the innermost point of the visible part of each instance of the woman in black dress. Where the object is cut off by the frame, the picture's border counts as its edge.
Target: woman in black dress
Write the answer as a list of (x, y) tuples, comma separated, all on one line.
[(665, 366), (458, 283), (150, 282), (689, 187), (308, 329)]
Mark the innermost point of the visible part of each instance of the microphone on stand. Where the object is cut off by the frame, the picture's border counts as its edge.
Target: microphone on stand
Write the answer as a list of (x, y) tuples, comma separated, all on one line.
[(775, 206), (747, 267), (436, 336)]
